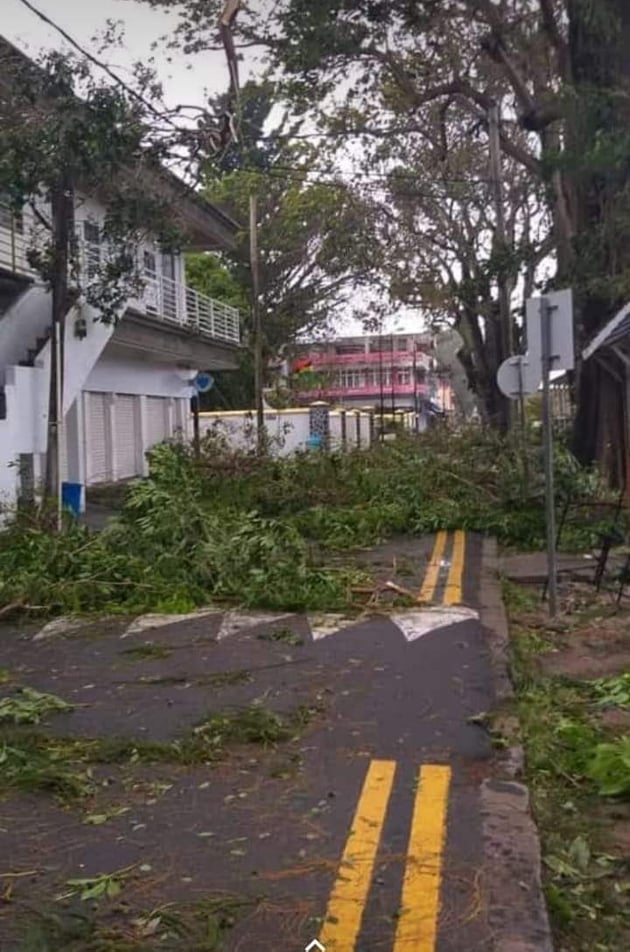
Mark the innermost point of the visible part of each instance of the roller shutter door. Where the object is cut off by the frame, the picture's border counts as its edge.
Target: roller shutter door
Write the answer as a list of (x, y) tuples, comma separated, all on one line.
[(156, 420), (126, 435), (99, 466)]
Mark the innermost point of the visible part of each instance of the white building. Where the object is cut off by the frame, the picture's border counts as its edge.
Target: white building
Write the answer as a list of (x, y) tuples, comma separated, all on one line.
[(126, 386)]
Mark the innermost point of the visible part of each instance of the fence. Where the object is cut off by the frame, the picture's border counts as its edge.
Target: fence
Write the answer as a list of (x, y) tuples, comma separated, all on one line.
[(294, 430)]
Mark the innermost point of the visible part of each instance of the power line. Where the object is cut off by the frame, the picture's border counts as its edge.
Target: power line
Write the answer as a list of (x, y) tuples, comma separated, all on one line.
[(332, 182), (99, 63)]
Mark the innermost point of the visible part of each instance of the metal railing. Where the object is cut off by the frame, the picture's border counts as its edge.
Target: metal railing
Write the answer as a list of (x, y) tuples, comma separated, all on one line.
[(161, 298)]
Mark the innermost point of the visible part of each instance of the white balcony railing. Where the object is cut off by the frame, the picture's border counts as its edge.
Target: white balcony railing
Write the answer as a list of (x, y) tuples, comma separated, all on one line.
[(162, 298), (175, 303)]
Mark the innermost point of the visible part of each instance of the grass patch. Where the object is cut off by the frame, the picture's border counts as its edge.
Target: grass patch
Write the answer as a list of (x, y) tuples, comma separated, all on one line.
[(148, 651), (203, 926), (234, 527), (38, 763), (284, 636), (570, 766), (224, 679), (27, 706)]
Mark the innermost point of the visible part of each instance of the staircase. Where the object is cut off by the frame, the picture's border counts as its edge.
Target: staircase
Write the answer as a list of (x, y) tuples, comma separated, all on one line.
[(24, 327)]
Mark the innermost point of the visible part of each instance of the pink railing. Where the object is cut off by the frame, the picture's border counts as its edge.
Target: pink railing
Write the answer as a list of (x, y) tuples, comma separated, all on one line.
[(399, 358), (367, 392)]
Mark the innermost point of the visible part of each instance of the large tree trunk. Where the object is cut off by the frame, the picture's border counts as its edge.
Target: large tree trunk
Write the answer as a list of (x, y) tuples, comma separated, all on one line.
[(599, 37)]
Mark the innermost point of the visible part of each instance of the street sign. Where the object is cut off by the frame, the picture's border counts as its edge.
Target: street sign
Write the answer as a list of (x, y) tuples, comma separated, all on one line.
[(522, 375), (203, 382), (515, 378), (559, 305)]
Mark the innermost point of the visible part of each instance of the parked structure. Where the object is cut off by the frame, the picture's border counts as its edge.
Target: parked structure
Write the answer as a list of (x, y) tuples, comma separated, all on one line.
[(384, 371), (126, 386)]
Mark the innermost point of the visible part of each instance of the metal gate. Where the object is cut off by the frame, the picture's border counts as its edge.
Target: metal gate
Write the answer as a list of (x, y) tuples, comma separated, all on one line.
[(127, 436), (98, 452), (156, 420)]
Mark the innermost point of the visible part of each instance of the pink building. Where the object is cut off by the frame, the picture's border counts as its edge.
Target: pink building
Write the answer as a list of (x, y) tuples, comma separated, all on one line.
[(392, 371)]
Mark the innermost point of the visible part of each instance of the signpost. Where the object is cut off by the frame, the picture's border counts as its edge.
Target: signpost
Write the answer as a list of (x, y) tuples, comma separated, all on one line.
[(550, 348), (202, 383)]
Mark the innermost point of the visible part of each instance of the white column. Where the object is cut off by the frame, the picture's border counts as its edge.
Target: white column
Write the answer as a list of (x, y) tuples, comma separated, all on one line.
[(170, 418), (111, 450), (143, 435)]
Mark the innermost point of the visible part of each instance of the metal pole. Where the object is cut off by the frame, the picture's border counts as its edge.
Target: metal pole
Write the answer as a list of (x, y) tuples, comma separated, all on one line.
[(258, 354), (382, 382), (547, 358), (196, 435), (523, 420), (60, 431)]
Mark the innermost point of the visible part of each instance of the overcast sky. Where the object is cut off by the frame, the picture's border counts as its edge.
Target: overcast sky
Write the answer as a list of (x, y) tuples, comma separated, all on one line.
[(185, 78)]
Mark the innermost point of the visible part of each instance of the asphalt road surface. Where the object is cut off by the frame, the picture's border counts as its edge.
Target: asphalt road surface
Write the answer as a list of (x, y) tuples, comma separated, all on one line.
[(373, 843)]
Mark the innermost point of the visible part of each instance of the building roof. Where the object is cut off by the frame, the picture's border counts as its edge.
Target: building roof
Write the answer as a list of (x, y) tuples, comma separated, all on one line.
[(207, 227), (616, 331)]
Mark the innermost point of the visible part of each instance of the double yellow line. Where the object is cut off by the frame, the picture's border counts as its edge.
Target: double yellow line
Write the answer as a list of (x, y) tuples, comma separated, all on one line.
[(418, 922), (454, 582)]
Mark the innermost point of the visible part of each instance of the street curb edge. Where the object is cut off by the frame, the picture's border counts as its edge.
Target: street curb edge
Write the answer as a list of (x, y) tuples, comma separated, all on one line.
[(517, 913)]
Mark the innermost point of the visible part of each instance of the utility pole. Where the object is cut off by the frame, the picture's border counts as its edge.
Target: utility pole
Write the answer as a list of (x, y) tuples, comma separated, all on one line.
[(62, 208), (500, 242), (258, 348), (550, 495)]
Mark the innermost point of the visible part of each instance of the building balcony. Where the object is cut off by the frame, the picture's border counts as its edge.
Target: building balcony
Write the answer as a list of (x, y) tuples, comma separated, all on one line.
[(367, 392), (162, 299), (397, 358)]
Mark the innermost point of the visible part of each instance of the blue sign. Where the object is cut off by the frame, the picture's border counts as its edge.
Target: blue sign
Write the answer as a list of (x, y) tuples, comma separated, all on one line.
[(203, 382)]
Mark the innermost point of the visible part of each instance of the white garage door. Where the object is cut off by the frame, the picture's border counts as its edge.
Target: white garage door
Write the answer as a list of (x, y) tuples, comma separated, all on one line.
[(127, 436), (156, 420), (99, 465)]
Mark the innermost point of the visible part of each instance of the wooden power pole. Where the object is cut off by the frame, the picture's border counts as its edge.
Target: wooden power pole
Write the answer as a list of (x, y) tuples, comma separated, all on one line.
[(258, 343), (500, 243)]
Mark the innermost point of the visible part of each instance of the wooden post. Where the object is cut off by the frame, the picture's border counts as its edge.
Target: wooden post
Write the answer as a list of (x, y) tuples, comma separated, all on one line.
[(258, 349)]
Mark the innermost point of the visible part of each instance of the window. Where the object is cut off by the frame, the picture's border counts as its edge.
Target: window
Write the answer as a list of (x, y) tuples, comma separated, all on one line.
[(92, 245), (169, 291), (9, 217), (150, 294), (149, 263), (404, 377), (350, 379), (401, 344), (349, 347)]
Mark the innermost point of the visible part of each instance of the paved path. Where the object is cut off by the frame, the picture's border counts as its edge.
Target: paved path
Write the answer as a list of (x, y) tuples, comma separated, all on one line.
[(375, 843)]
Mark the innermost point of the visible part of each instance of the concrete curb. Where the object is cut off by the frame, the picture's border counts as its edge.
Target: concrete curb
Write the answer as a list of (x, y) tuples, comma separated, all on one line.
[(516, 911)]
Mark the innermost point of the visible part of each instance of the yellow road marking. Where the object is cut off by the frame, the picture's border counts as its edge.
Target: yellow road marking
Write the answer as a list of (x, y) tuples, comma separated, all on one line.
[(347, 901), (453, 590), (433, 569), (418, 923)]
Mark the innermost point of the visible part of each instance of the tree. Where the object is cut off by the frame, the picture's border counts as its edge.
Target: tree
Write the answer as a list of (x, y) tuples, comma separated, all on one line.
[(64, 135), (560, 68), (315, 234)]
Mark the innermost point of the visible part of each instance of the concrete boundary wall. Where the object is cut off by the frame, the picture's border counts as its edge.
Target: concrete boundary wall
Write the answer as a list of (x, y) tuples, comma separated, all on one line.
[(290, 430)]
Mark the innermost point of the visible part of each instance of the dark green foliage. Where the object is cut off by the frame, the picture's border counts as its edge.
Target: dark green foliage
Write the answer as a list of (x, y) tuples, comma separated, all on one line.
[(238, 528)]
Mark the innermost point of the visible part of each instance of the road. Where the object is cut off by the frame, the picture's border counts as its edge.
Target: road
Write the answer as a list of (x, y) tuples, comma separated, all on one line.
[(364, 835)]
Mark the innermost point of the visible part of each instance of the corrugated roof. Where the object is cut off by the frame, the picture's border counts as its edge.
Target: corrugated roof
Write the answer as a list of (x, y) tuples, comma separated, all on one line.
[(615, 331)]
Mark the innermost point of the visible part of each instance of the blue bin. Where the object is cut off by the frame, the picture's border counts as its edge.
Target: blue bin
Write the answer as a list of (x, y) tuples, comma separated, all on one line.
[(71, 497), (315, 442)]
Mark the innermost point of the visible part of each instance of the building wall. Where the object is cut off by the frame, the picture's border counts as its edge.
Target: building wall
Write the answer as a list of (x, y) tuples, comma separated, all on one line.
[(363, 371), (118, 371), (289, 430)]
